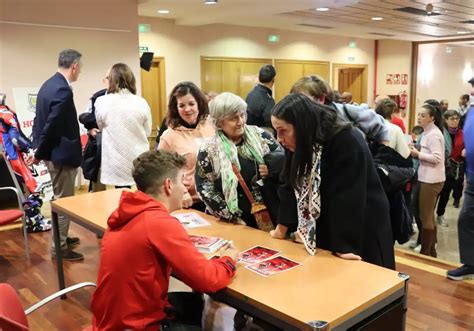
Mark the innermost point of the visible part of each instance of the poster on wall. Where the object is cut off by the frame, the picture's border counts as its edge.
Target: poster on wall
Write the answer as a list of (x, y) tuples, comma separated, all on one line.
[(25, 102), (389, 79), (404, 79), (396, 79)]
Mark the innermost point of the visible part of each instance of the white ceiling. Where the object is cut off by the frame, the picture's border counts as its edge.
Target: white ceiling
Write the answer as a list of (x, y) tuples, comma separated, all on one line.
[(345, 17)]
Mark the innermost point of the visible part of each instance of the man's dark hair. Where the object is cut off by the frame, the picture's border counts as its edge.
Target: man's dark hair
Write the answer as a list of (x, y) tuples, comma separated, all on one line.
[(313, 123), (151, 168), (266, 74), (386, 108), (465, 97), (68, 57), (417, 129)]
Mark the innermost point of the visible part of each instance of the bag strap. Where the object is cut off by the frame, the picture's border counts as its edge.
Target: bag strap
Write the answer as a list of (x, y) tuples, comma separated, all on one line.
[(243, 184)]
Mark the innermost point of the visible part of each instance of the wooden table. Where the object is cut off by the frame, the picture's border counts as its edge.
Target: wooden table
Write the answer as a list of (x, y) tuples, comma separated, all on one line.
[(325, 292)]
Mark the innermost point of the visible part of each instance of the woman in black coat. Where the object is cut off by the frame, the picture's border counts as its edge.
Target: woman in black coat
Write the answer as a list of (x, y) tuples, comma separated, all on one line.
[(341, 204)]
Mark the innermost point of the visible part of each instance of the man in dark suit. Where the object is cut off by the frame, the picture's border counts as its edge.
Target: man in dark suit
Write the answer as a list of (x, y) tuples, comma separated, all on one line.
[(260, 101), (56, 138)]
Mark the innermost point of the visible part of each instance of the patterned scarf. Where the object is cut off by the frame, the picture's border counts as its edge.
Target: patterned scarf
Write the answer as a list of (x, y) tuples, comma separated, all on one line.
[(228, 155), (309, 203)]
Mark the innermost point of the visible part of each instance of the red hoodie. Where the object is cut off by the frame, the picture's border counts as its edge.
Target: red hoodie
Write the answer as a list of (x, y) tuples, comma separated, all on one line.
[(142, 245)]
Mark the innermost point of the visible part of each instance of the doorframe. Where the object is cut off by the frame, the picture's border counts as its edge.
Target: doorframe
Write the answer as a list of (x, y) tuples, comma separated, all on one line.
[(365, 76), (161, 63), (414, 72)]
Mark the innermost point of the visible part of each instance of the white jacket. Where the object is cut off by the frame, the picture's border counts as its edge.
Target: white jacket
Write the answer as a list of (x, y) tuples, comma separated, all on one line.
[(125, 122)]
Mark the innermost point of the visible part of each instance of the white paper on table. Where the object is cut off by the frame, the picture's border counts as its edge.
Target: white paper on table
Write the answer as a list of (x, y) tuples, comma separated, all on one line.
[(191, 220)]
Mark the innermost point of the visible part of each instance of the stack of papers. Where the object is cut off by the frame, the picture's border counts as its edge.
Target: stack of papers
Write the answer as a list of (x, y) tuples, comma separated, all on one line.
[(191, 220), (207, 244)]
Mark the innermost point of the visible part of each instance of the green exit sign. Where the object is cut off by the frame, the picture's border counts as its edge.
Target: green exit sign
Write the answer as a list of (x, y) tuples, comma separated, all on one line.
[(143, 48), (143, 28), (273, 38)]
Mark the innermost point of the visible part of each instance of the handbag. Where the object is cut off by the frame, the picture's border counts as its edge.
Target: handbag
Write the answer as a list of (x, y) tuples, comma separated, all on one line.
[(258, 209)]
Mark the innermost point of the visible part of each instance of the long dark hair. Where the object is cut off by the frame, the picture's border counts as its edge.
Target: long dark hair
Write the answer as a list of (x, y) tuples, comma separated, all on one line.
[(180, 90), (435, 110), (313, 124)]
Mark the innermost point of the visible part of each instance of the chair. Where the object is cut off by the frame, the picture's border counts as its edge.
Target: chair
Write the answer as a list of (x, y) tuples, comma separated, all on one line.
[(11, 215), (12, 316)]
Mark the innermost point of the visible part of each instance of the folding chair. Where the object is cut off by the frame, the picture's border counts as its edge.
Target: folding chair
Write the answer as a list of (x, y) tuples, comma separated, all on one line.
[(12, 315), (11, 215)]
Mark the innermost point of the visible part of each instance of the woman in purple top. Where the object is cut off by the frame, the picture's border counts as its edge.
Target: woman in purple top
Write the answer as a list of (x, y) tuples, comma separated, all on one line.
[(431, 173)]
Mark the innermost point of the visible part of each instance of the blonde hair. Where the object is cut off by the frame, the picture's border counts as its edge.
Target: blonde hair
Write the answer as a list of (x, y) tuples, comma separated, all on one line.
[(314, 86), (225, 105)]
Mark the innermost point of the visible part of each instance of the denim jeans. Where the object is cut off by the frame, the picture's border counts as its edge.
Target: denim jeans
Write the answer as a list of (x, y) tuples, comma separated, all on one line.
[(466, 226)]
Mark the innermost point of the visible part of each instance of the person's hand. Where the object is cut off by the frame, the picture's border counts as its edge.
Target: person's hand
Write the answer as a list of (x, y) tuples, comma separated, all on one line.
[(93, 132), (187, 201), (263, 170), (349, 256), (414, 152), (31, 159), (463, 152), (230, 251)]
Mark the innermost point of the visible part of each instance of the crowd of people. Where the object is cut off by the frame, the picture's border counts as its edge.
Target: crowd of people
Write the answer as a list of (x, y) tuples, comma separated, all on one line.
[(316, 168)]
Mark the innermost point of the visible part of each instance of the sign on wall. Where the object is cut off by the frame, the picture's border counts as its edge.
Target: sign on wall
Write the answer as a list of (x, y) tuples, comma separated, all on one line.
[(25, 102)]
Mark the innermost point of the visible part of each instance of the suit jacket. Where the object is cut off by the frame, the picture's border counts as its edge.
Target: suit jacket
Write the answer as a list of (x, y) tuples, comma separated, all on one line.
[(55, 129)]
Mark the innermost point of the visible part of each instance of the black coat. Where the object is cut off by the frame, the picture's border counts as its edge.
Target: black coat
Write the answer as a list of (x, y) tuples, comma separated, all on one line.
[(354, 209), (260, 104), (55, 128)]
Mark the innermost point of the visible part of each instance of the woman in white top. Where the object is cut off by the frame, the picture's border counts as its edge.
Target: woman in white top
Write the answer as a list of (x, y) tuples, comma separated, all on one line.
[(125, 121), (397, 141)]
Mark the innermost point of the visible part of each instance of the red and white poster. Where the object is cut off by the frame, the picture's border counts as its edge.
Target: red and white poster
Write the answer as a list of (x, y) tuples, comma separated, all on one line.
[(257, 254), (273, 266)]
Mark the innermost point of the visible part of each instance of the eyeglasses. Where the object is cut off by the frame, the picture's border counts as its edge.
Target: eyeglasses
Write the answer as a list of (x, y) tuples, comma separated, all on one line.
[(454, 118)]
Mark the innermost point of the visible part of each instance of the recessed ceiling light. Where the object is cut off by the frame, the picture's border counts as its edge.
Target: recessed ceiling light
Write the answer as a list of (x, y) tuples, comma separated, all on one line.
[(210, 2), (163, 11), (377, 18), (322, 9), (462, 32)]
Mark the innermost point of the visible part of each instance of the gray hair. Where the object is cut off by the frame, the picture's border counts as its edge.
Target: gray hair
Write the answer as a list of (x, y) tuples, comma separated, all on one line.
[(68, 57), (225, 105)]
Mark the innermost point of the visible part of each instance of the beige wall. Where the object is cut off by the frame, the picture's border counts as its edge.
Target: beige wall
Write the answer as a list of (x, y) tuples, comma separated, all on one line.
[(33, 32), (394, 57), (444, 75), (183, 46)]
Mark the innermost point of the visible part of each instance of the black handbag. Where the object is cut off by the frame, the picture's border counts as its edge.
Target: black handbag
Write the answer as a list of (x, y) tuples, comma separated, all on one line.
[(91, 157)]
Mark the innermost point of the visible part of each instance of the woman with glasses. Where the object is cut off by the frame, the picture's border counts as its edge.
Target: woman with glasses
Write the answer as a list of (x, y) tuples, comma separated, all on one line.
[(238, 150), (454, 167), (431, 174)]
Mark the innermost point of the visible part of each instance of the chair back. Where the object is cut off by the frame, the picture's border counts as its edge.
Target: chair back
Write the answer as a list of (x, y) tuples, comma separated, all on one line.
[(12, 315)]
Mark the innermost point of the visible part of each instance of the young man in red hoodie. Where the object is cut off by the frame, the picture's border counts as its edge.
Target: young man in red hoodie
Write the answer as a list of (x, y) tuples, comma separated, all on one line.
[(143, 244)]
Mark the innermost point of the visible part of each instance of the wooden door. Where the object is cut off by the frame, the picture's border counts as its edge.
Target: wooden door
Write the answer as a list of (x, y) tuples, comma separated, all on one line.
[(249, 75), (211, 76), (350, 80), (237, 75), (289, 71), (287, 74), (319, 69), (153, 91)]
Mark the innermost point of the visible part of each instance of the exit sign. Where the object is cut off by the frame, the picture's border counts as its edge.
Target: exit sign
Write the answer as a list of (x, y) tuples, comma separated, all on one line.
[(143, 48), (273, 38)]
